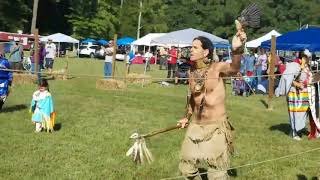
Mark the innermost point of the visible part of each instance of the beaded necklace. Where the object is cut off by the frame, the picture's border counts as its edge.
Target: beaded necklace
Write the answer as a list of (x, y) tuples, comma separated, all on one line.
[(199, 74)]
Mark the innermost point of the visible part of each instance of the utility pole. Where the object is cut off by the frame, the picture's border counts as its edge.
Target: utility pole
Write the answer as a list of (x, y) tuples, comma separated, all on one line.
[(139, 20), (121, 4), (34, 15)]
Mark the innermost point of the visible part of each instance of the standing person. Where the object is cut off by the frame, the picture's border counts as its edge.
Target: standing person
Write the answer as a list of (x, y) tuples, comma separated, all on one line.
[(313, 94), (131, 56), (108, 60), (298, 84), (42, 107), (50, 54), (249, 61), (261, 64), (242, 65), (16, 56), (148, 55), (208, 139), (172, 62), (163, 58), (5, 77), (264, 61), (42, 54)]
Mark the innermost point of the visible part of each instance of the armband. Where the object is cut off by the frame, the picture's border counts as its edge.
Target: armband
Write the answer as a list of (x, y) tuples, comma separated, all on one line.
[(188, 116), (239, 51)]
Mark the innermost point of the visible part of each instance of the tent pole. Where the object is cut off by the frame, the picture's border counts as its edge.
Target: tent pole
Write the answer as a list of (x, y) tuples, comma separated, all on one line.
[(155, 62), (78, 53), (59, 49)]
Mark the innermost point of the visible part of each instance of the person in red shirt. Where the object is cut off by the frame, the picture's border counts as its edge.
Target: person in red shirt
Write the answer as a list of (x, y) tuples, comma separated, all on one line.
[(172, 62), (282, 67)]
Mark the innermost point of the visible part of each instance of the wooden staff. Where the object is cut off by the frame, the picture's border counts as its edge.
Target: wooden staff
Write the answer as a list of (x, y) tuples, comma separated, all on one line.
[(36, 53), (153, 133), (271, 71), (114, 54)]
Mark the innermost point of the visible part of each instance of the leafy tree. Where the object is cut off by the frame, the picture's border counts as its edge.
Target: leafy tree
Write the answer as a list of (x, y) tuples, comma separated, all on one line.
[(15, 15), (103, 18), (93, 19), (153, 17)]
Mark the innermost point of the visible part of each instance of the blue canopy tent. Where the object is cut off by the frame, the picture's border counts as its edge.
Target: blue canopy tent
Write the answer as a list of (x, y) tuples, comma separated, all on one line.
[(297, 40), (222, 46), (88, 41), (102, 42), (125, 41)]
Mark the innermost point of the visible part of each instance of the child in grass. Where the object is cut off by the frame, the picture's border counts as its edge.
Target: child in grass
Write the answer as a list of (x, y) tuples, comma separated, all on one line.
[(42, 107)]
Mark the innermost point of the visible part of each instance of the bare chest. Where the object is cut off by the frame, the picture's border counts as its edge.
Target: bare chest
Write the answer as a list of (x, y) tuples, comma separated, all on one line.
[(209, 89)]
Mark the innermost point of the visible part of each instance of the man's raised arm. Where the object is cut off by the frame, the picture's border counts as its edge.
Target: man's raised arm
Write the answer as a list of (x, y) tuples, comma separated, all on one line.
[(229, 69)]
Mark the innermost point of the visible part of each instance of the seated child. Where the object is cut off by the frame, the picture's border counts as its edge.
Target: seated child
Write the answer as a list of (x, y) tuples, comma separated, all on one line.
[(182, 72), (42, 107)]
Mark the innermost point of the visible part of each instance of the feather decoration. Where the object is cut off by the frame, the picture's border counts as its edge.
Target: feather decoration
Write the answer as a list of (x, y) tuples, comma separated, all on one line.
[(139, 151), (250, 16)]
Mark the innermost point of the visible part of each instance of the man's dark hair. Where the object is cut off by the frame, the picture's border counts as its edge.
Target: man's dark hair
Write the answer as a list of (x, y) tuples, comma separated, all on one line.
[(206, 44)]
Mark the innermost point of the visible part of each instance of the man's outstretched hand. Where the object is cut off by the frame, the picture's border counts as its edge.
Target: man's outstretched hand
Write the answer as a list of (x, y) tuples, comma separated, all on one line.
[(183, 123), (239, 39)]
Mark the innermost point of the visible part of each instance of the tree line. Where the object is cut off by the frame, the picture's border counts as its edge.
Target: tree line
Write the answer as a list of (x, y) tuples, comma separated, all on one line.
[(103, 18)]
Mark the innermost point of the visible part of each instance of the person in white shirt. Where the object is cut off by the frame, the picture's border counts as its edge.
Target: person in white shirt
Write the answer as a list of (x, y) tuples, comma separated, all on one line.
[(108, 60), (50, 55), (148, 55)]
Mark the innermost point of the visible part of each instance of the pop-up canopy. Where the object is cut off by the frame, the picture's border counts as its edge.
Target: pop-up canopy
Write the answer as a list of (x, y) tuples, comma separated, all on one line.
[(183, 38), (257, 42), (297, 40)]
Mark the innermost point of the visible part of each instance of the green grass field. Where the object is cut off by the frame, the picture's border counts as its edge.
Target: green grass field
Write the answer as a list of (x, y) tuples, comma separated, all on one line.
[(94, 128)]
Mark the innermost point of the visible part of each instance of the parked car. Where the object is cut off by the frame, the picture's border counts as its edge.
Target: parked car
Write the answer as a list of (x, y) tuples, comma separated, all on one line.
[(120, 57), (87, 50), (100, 53)]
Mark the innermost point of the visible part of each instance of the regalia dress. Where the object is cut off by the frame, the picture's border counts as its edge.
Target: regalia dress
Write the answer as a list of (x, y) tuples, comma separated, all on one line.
[(42, 107), (302, 102)]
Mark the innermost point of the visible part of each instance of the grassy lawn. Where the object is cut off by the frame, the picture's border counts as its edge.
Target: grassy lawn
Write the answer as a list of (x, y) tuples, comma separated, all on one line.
[(94, 128)]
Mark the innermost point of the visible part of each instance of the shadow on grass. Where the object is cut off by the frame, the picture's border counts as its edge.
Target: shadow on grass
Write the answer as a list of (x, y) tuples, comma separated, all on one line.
[(264, 103), (285, 128), (57, 127), (231, 173), (303, 177), (14, 108)]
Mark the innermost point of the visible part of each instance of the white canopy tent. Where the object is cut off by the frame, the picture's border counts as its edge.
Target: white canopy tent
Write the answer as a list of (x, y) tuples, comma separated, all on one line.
[(146, 40), (183, 38), (257, 42), (60, 38)]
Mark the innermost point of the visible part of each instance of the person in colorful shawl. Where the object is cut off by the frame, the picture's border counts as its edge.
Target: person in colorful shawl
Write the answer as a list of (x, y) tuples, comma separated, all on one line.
[(42, 107), (298, 84), (313, 94)]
